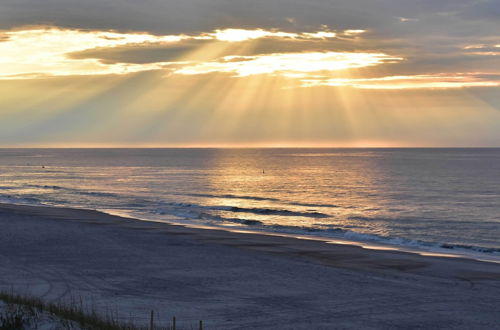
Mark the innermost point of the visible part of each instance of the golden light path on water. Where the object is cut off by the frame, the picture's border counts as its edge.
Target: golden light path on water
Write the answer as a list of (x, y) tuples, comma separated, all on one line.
[(342, 182)]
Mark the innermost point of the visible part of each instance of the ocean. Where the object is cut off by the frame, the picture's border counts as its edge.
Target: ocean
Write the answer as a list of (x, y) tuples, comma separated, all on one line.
[(430, 199)]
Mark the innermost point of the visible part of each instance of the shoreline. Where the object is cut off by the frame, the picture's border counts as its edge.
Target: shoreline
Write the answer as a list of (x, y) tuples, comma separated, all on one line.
[(236, 279), (260, 239), (433, 249), (436, 250)]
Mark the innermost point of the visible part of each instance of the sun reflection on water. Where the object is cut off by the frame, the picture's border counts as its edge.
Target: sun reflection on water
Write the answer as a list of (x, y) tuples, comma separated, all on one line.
[(312, 195)]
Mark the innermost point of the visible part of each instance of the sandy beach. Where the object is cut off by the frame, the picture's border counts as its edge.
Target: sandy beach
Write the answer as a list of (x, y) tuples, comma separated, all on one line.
[(234, 280)]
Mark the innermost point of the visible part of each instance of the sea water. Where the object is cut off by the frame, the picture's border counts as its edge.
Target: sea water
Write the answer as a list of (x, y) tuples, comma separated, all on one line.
[(447, 199)]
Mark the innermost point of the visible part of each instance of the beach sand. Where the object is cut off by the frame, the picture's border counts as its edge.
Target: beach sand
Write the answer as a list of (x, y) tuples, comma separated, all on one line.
[(234, 280)]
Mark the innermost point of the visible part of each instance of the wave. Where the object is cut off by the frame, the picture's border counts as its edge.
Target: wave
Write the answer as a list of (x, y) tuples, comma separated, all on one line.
[(383, 219), (422, 221), (207, 216), (321, 230), (248, 222), (20, 200), (269, 211), (337, 232), (231, 196), (314, 205), (470, 247), (74, 190), (251, 210), (258, 198), (236, 209)]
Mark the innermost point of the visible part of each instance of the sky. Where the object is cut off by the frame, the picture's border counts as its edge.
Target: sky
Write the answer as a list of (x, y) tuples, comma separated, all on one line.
[(235, 73)]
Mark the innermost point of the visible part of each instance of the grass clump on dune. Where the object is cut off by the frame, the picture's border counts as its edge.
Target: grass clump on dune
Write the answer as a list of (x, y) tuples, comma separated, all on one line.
[(23, 312)]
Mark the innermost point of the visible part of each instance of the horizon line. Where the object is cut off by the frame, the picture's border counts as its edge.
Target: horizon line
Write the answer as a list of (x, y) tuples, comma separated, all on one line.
[(247, 147)]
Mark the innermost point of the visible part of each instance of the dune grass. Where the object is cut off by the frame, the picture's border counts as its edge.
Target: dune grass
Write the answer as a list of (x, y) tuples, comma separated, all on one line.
[(23, 310), (15, 318)]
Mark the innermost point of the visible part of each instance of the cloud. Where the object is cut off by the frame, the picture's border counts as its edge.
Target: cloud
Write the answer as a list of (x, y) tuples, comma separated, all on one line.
[(141, 53), (317, 58), (52, 51), (187, 48), (483, 50), (289, 64), (435, 81), (42, 52)]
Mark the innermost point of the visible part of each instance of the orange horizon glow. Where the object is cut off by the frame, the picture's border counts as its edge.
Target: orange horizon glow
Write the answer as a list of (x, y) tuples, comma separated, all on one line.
[(282, 145)]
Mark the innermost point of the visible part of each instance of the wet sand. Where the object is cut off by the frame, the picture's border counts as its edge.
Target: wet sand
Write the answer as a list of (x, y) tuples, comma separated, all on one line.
[(237, 280)]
